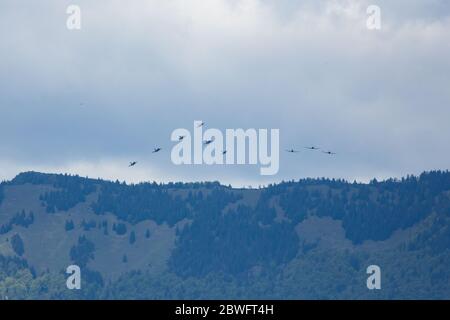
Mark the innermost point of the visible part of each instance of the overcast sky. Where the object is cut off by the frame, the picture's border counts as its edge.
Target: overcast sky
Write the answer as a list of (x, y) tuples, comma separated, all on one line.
[(140, 69)]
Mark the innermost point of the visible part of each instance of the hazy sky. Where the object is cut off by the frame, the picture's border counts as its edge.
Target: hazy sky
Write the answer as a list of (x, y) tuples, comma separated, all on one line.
[(380, 99)]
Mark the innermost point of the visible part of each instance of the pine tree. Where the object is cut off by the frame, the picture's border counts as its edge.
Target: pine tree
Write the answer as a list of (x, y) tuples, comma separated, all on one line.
[(132, 237), (17, 245), (69, 225)]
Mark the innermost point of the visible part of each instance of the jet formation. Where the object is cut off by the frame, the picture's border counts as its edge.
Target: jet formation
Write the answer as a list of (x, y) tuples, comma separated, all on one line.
[(209, 141), (312, 148)]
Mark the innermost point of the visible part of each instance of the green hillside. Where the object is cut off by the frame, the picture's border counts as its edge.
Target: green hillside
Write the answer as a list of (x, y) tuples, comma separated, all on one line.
[(307, 239)]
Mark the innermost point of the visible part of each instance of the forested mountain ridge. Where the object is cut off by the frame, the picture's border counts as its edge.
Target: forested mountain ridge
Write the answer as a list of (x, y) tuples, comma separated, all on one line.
[(311, 238)]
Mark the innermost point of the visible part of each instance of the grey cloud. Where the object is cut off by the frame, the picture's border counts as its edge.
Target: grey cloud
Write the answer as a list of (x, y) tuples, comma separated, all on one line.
[(142, 70)]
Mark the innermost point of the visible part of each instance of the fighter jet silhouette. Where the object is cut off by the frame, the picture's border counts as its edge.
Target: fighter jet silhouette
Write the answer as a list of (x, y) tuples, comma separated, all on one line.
[(155, 150), (312, 148), (292, 151), (208, 141), (180, 138), (201, 124), (132, 164), (329, 152)]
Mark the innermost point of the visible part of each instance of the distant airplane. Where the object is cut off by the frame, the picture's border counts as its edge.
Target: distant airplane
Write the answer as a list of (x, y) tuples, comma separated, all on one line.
[(201, 124), (329, 152), (208, 141), (312, 148), (180, 138), (157, 150), (292, 151), (132, 164)]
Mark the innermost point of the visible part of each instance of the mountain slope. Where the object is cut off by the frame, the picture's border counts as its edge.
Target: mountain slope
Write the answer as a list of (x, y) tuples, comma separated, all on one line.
[(309, 239)]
